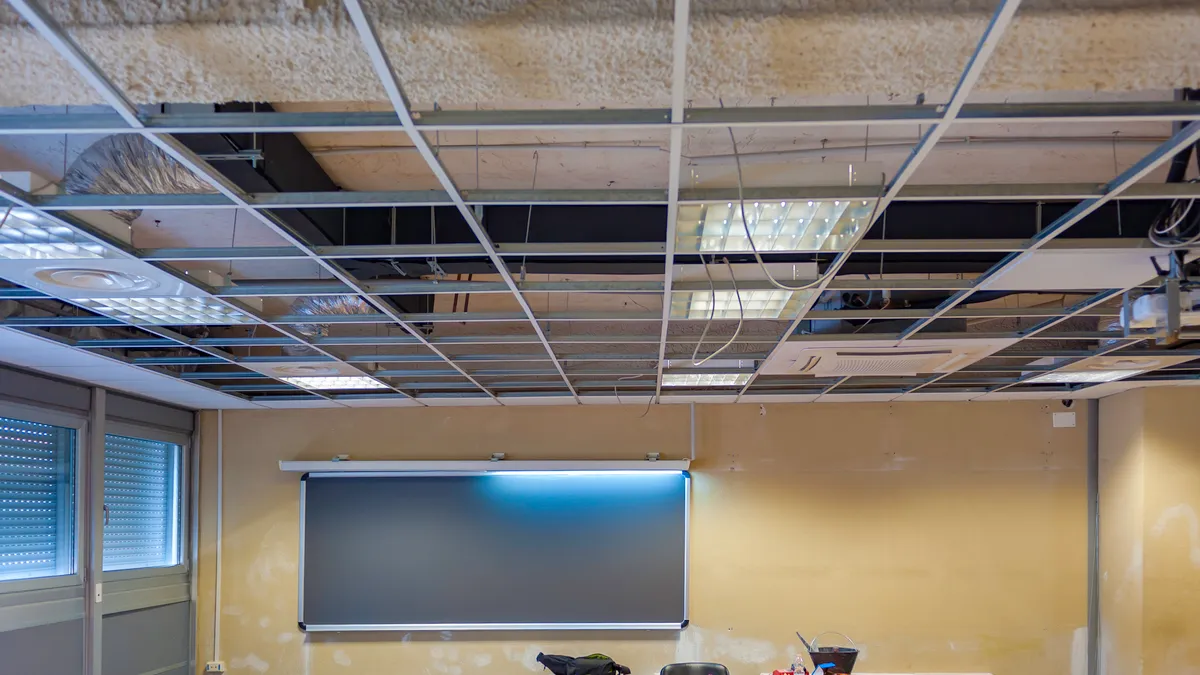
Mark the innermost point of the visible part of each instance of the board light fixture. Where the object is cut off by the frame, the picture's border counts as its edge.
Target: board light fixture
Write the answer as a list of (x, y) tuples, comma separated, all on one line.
[(481, 467), (317, 628)]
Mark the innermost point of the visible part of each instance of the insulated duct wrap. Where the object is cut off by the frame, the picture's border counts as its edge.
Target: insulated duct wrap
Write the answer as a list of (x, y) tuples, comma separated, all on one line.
[(323, 305), (128, 164)]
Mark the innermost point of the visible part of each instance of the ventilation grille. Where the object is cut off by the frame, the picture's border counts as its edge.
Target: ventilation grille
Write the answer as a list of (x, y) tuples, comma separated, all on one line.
[(874, 361)]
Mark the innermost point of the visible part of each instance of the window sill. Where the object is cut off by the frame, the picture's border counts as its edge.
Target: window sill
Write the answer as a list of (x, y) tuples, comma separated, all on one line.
[(143, 573)]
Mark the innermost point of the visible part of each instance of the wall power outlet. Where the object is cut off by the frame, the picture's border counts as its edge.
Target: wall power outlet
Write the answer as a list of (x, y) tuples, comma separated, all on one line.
[(214, 667)]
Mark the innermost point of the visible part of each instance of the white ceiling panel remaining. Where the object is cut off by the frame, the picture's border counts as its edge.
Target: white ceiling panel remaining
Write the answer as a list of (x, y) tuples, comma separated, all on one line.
[(304, 403), (96, 278), (393, 402), (848, 398), (781, 398), (1079, 270), (30, 351), (536, 400), (938, 396), (435, 402), (608, 399)]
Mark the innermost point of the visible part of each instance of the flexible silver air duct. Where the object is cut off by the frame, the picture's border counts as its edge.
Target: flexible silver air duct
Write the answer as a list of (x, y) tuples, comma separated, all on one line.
[(128, 164), (323, 305)]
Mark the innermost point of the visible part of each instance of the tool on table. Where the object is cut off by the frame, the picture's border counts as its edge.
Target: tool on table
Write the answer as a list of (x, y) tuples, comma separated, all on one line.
[(831, 660)]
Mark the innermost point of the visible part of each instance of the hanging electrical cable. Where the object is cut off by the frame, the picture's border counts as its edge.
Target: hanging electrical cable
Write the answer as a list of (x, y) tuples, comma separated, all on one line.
[(749, 236), (1178, 224), (712, 311)]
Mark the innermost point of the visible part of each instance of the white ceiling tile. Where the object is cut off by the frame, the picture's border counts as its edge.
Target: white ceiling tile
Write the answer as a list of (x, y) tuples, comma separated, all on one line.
[(940, 396), (285, 405), (1066, 270), (856, 398), (536, 400), (457, 401), (379, 402)]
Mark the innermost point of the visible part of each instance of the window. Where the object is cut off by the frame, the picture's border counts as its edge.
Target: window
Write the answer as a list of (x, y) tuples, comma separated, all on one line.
[(37, 500), (142, 510)]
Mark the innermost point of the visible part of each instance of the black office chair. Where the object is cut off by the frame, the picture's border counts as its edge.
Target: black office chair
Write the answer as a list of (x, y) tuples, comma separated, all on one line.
[(694, 669)]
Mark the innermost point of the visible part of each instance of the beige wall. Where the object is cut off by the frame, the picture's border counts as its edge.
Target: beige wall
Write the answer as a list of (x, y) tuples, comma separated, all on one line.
[(1150, 531), (943, 537)]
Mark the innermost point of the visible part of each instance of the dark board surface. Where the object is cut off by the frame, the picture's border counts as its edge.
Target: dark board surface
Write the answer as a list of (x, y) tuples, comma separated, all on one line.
[(496, 550)]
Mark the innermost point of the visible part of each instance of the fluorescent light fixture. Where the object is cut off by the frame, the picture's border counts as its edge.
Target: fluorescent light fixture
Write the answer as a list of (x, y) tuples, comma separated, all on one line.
[(705, 379), (167, 311), (716, 364), (24, 237), (768, 304), (775, 226), (1083, 376), (337, 382)]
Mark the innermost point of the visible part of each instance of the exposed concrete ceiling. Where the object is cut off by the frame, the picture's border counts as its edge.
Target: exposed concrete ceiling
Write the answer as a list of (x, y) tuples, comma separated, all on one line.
[(510, 53)]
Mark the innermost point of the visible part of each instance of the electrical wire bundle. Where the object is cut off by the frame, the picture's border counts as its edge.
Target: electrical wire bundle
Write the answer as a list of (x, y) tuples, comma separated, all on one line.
[(1178, 226)]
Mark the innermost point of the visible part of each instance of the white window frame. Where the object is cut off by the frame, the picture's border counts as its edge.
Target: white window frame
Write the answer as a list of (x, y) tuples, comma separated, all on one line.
[(183, 440), (80, 424)]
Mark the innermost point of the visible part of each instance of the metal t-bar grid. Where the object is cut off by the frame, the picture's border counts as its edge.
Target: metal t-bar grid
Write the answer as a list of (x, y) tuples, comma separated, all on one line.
[(1183, 138), (45, 25), (395, 92), (679, 49), (966, 83), (18, 197), (603, 197), (596, 120)]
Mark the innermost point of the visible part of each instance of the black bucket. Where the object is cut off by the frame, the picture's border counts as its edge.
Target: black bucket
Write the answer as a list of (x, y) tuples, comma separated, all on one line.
[(841, 659)]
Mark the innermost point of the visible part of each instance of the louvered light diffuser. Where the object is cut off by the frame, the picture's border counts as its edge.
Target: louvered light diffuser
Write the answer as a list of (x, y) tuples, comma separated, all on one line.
[(776, 226), (167, 311), (705, 379), (23, 239), (332, 383)]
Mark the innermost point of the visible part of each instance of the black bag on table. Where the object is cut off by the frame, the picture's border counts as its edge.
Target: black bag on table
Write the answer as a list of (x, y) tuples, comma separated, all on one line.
[(594, 664)]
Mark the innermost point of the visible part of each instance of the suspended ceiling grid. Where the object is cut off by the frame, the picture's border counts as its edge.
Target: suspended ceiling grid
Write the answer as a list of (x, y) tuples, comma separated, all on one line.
[(599, 338)]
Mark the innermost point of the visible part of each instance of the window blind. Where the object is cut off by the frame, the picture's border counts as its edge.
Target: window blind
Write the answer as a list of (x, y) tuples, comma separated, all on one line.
[(37, 500), (141, 503)]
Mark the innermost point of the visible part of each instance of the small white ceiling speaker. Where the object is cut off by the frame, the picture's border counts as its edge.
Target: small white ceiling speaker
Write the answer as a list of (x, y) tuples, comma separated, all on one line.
[(97, 280)]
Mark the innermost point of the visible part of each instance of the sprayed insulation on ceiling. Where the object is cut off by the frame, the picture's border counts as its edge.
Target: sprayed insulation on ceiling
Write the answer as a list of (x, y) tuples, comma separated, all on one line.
[(510, 53)]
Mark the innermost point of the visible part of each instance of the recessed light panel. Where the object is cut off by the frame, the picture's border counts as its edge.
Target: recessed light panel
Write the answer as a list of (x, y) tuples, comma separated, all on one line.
[(802, 225), (705, 379), (332, 383), (167, 311), (22, 238), (770, 304), (1083, 376)]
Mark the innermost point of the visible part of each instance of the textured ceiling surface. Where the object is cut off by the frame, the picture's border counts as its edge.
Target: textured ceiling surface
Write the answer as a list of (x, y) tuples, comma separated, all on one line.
[(597, 53)]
